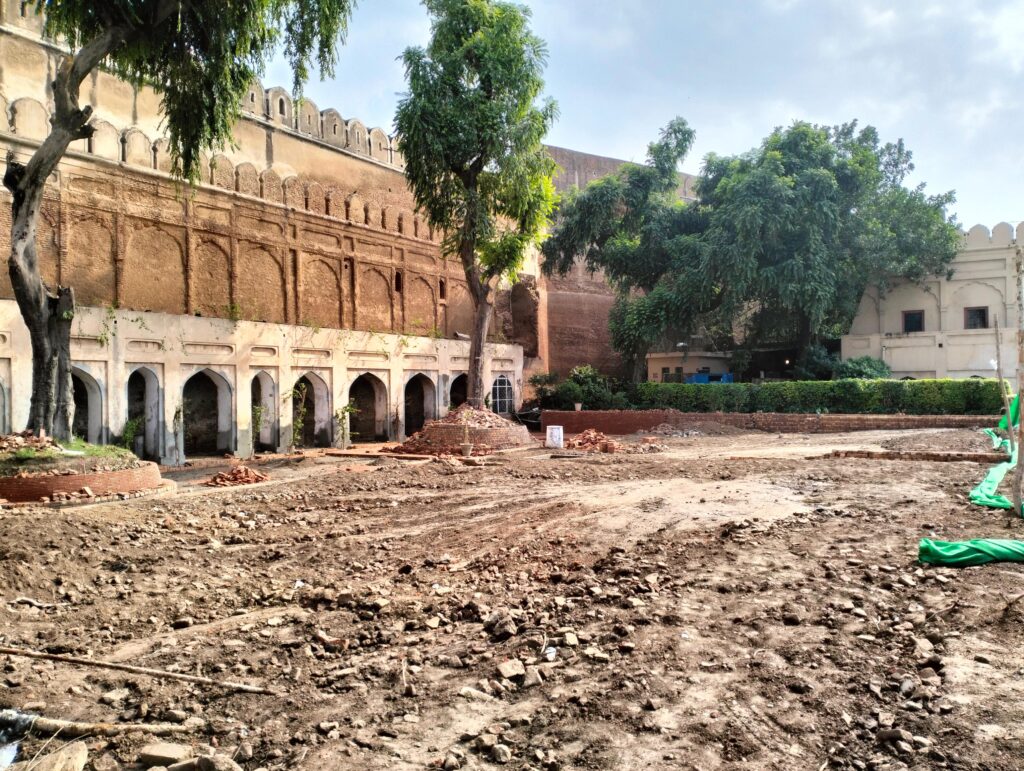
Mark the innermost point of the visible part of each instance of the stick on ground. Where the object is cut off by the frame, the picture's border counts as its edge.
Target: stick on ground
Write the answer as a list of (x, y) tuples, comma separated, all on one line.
[(160, 673), (47, 726)]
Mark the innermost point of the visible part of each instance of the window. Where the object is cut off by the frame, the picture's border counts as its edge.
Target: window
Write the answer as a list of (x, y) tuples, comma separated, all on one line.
[(501, 395), (913, 321), (442, 290), (334, 128), (976, 318), (664, 373), (252, 98), (280, 105), (398, 281)]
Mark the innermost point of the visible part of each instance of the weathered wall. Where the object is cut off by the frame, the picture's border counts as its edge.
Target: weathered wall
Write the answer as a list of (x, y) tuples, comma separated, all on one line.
[(578, 304), (983, 277)]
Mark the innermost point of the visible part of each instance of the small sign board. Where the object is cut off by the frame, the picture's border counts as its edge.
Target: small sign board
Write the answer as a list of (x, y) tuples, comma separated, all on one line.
[(554, 440)]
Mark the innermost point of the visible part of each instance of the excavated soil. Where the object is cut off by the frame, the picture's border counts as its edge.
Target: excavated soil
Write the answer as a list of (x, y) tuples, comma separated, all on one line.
[(707, 607)]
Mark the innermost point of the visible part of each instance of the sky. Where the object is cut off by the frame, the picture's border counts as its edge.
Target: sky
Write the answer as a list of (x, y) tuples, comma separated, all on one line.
[(947, 76)]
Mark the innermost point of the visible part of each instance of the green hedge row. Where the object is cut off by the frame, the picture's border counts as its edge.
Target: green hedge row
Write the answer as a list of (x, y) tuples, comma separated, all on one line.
[(913, 397)]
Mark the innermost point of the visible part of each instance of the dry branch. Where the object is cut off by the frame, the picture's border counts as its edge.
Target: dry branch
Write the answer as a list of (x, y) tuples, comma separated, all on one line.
[(47, 726), (160, 673)]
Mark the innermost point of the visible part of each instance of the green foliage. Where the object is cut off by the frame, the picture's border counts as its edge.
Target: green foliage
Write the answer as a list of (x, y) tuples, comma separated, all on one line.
[(585, 385), (816, 363), (783, 240), (544, 386), (867, 367), (471, 134), (857, 396), (299, 410), (129, 432), (202, 55)]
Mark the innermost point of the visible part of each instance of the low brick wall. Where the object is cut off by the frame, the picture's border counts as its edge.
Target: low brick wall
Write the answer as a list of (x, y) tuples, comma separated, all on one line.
[(631, 421), (450, 435), (38, 488)]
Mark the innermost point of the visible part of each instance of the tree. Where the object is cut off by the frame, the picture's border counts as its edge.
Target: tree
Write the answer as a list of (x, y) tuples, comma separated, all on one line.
[(471, 133), (782, 241), (200, 56)]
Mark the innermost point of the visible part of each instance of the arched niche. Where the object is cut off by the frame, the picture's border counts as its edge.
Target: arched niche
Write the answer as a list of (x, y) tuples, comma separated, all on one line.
[(369, 397), (311, 411), (420, 402), (263, 391), (87, 421), (207, 419), (145, 410)]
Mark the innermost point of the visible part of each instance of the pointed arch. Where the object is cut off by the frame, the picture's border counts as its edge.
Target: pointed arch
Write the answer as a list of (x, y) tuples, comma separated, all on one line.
[(368, 394), (87, 421), (207, 420), (146, 408)]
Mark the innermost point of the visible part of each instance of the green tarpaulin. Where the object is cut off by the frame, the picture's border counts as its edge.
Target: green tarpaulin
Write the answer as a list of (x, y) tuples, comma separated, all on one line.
[(962, 554), (985, 493)]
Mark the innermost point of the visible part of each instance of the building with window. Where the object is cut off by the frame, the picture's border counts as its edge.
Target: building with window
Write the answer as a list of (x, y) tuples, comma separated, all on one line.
[(945, 327)]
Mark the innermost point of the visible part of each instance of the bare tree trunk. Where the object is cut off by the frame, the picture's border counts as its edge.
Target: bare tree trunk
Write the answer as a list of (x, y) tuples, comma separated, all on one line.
[(475, 389), (47, 314)]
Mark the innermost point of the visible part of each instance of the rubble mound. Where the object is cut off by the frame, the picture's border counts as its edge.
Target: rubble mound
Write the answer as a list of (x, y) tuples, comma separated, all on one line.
[(485, 430), (238, 475)]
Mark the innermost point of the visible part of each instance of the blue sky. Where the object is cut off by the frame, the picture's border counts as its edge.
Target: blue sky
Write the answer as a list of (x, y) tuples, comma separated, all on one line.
[(946, 76)]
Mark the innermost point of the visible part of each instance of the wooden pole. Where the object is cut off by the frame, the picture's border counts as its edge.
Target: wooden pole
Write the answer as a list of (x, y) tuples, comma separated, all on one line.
[(1018, 472), (1002, 390)]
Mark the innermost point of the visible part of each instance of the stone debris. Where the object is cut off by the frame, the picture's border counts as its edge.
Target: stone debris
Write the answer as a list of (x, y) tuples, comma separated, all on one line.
[(72, 757), (11, 443), (238, 475)]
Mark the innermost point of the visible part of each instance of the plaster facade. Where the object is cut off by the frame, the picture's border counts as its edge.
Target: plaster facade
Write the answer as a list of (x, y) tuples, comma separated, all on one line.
[(945, 327), (298, 255)]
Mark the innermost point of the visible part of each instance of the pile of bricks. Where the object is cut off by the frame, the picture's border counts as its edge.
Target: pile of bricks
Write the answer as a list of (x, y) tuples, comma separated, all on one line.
[(238, 475), (592, 440)]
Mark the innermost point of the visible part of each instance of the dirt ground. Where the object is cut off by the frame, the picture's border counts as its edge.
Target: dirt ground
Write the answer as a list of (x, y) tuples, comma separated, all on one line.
[(727, 604)]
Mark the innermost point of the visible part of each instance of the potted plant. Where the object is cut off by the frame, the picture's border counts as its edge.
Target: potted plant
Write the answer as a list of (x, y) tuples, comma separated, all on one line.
[(466, 446)]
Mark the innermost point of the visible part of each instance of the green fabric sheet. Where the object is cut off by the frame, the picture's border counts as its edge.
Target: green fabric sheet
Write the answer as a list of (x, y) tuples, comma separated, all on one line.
[(962, 554), (984, 494)]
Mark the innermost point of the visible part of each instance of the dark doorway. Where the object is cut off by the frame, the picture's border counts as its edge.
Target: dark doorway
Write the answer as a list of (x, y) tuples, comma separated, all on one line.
[(458, 391), (201, 415), (143, 413), (419, 403), (303, 413), (80, 425), (369, 398)]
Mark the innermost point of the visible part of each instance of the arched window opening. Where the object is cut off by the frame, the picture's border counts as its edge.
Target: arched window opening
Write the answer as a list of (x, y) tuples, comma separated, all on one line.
[(442, 290), (501, 395), (280, 105), (398, 281), (457, 393)]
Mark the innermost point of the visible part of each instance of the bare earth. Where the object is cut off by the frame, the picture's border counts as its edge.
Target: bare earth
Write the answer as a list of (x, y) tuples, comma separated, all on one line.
[(728, 604)]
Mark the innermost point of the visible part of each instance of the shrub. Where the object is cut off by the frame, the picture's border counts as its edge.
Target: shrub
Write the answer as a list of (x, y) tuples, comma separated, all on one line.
[(867, 367), (851, 395), (816, 363), (566, 395)]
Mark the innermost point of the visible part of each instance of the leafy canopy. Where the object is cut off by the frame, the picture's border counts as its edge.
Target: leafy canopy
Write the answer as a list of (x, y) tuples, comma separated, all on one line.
[(471, 133), (780, 245), (202, 55)]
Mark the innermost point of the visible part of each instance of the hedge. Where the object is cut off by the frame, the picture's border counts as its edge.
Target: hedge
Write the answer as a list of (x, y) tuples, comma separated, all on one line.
[(913, 397)]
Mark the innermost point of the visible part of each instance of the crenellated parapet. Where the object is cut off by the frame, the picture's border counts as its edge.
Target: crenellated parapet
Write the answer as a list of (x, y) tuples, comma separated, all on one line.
[(999, 237)]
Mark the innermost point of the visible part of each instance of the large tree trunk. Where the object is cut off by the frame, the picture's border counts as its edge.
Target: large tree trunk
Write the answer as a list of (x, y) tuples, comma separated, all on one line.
[(48, 314), (475, 388)]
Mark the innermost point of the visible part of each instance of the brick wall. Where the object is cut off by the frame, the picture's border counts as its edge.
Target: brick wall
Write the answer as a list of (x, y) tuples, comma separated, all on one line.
[(451, 435), (27, 489), (631, 421)]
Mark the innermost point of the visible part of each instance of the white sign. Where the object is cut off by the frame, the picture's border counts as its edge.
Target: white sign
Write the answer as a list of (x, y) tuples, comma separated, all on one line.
[(554, 438)]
